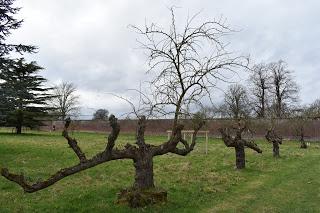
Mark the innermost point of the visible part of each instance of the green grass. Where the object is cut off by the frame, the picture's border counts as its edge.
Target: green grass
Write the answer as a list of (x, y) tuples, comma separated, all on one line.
[(196, 183)]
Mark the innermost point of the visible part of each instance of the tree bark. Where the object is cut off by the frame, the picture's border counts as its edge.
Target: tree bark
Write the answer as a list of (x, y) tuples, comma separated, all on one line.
[(18, 129), (239, 145), (144, 172), (273, 138), (240, 157), (19, 122), (276, 149), (303, 143)]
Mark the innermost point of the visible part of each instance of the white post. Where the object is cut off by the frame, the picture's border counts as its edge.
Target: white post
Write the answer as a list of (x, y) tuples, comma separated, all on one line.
[(168, 135)]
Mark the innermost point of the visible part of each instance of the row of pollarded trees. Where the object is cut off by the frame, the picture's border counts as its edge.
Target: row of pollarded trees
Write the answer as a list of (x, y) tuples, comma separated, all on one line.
[(272, 94), (239, 143)]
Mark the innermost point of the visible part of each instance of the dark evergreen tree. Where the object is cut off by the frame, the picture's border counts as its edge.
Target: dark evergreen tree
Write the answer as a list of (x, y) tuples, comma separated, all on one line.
[(7, 24), (24, 94)]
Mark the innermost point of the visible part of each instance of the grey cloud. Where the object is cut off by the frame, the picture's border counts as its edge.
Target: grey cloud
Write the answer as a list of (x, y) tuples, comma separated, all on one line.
[(90, 44)]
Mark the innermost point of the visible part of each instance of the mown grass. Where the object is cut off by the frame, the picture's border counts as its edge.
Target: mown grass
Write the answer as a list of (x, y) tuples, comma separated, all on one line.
[(196, 183)]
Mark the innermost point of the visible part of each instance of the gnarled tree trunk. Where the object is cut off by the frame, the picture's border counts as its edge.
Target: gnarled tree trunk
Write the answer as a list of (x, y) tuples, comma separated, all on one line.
[(18, 129), (144, 172), (19, 122), (273, 138), (240, 157), (303, 143), (276, 150), (239, 144)]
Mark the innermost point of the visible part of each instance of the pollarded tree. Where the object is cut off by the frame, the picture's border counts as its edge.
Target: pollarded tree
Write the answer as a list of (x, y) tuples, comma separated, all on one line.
[(300, 122), (300, 132), (25, 94), (275, 139), (183, 75), (239, 143)]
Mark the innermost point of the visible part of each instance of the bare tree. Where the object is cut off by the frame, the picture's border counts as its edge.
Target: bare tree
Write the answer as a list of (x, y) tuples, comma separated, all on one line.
[(210, 112), (260, 84), (236, 103), (238, 143), (300, 129), (272, 137), (300, 122), (283, 88), (182, 76), (306, 113), (65, 100)]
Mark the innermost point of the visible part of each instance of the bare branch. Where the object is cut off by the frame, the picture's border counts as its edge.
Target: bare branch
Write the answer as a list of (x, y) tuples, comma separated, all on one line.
[(140, 132), (107, 155), (183, 73), (73, 142)]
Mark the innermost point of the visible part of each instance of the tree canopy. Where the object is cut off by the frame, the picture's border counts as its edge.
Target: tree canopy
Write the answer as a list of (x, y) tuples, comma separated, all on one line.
[(101, 114)]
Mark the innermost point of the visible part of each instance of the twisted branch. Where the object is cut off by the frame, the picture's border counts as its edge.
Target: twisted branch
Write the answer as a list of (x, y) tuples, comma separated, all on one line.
[(108, 154), (272, 137), (140, 132), (73, 142), (237, 140)]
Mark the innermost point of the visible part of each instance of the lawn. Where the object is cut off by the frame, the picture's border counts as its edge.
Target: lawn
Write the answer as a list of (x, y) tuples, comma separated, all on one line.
[(195, 183)]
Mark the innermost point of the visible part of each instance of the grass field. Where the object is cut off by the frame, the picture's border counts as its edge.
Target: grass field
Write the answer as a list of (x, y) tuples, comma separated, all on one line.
[(196, 183)]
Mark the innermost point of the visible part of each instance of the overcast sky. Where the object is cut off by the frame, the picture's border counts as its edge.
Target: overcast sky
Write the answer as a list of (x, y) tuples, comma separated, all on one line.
[(89, 42)]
